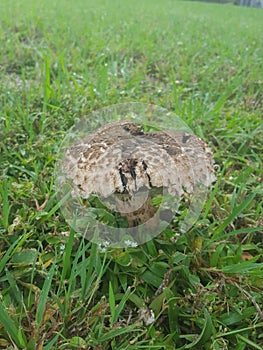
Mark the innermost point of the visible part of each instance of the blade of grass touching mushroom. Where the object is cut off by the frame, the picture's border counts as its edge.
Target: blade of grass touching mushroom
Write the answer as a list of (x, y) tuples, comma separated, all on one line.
[(44, 294)]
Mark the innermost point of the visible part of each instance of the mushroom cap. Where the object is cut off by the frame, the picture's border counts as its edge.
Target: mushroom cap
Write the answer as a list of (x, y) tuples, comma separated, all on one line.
[(119, 158)]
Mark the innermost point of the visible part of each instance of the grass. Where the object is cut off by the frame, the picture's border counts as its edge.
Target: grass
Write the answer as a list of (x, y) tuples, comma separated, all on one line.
[(60, 61)]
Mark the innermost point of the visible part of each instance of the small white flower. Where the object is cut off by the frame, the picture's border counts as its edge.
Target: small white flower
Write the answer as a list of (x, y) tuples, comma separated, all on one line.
[(129, 243), (102, 246)]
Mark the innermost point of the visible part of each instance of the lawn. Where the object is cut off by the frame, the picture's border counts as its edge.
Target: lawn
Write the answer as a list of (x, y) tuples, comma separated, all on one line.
[(62, 60)]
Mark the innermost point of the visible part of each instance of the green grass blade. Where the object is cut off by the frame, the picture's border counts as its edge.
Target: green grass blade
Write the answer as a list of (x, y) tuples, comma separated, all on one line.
[(249, 342), (26, 171), (12, 249), (244, 267), (43, 216), (51, 344), (122, 303), (117, 332), (44, 295), (15, 333), (241, 330), (240, 231), (14, 287), (207, 332), (67, 257), (233, 215), (112, 303), (5, 201)]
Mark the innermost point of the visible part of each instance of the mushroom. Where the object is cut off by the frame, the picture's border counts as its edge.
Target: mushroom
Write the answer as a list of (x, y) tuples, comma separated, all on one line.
[(125, 167)]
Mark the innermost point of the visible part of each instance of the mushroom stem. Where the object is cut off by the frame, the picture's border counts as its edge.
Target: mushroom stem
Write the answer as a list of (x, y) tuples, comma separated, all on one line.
[(136, 209)]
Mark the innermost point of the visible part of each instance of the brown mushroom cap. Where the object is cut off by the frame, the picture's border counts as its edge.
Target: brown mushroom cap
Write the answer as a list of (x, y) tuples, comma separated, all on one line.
[(120, 159)]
